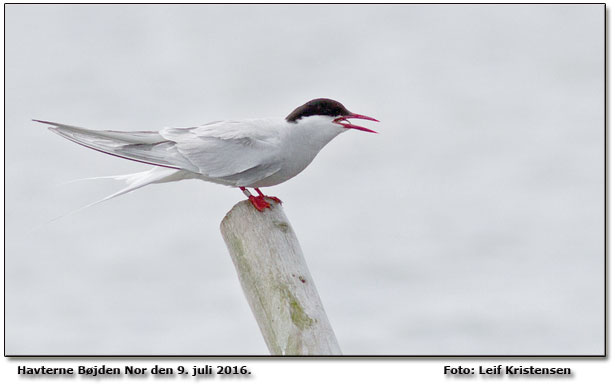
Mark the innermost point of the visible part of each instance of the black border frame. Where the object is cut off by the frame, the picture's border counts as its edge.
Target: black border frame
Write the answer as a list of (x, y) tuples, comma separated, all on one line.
[(605, 202)]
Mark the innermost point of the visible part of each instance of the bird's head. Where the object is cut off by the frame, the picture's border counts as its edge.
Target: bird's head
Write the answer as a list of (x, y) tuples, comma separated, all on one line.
[(330, 109)]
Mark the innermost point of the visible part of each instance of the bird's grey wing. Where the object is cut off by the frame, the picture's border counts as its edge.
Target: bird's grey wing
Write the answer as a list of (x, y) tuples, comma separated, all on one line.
[(141, 146), (229, 152), (234, 152)]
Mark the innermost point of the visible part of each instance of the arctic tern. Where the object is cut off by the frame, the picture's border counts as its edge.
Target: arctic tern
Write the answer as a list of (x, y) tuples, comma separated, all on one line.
[(248, 153)]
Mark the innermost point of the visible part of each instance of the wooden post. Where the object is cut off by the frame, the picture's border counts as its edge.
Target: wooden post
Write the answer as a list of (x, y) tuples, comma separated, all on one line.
[(276, 281)]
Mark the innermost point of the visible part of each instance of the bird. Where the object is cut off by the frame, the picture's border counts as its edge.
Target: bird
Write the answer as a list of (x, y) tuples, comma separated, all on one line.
[(245, 153)]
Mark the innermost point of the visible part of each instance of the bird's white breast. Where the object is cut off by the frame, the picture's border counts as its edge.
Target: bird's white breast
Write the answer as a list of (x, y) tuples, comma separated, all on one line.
[(299, 143)]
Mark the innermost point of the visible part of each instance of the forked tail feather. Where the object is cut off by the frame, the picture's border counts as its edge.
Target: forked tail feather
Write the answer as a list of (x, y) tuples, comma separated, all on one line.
[(134, 181)]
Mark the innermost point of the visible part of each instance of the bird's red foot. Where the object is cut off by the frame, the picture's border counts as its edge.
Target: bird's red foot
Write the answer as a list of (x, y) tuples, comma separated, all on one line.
[(276, 199), (259, 202)]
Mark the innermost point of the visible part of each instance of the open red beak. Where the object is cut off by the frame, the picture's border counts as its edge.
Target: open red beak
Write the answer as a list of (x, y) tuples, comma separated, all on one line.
[(349, 125)]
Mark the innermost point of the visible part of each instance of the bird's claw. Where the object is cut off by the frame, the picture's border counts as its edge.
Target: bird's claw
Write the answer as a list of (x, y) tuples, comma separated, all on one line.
[(274, 198), (259, 203)]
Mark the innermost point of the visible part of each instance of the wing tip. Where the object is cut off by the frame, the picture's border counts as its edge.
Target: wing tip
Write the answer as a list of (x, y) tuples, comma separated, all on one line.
[(45, 122), (53, 128)]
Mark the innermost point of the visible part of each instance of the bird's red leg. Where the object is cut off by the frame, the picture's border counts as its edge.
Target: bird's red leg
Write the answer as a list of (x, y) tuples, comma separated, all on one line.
[(272, 197), (257, 201)]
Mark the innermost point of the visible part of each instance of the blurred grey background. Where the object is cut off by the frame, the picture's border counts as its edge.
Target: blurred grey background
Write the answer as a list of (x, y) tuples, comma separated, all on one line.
[(472, 224)]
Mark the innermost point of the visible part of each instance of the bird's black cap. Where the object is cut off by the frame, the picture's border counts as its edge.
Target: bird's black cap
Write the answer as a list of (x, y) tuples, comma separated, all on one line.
[(321, 106)]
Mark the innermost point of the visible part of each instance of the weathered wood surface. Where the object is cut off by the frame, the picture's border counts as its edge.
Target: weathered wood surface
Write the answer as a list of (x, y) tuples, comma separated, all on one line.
[(276, 281)]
